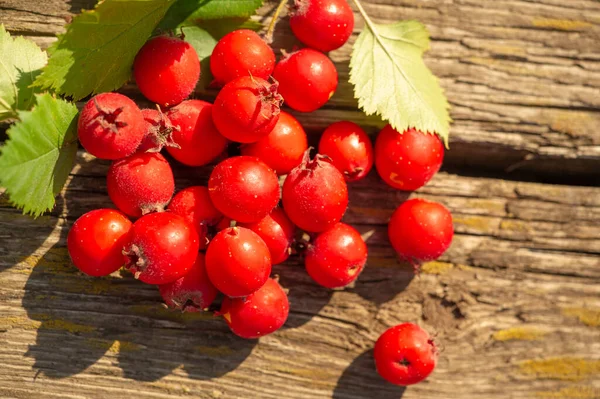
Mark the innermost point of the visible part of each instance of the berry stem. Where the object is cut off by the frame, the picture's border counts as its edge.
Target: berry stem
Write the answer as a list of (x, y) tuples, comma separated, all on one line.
[(271, 28), (365, 16)]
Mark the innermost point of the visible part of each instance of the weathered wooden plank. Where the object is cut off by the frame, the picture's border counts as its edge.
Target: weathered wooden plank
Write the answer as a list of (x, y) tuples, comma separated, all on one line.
[(514, 302), (523, 76)]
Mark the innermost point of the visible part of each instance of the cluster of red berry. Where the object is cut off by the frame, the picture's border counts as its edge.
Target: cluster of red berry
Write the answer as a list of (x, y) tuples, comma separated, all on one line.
[(226, 237)]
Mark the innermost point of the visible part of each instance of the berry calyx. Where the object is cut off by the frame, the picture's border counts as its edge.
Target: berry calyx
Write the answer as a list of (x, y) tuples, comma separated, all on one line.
[(96, 240), (420, 230), (238, 261), (247, 109), (260, 313), (166, 70), (407, 161), (158, 131), (277, 231), (161, 248), (349, 148), (241, 53), (307, 79), (110, 126), (405, 354), (324, 25)]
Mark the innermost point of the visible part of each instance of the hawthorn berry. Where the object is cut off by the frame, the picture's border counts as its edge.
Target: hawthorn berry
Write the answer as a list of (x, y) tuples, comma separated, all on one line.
[(96, 240), (196, 135), (277, 231), (282, 149), (140, 184), (110, 126), (260, 313), (307, 79), (158, 131), (324, 25), (405, 354), (336, 256), (191, 293), (420, 230), (238, 261), (244, 188), (166, 70), (407, 161), (241, 53), (247, 109), (194, 205), (161, 248), (349, 148), (315, 195)]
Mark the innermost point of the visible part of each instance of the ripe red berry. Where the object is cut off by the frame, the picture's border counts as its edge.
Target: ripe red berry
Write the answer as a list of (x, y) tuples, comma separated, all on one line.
[(246, 109), (258, 314), (110, 126), (96, 240), (238, 261), (244, 188), (315, 195), (191, 293), (277, 231), (322, 24), (349, 148), (161, 248), (194, 205), (282, 149), (157, 132), (407, 161), (198, 139), (241, 53), (420, 230), (223, 224), (336, 257), (166, 70), (307, 79), (405, 354), (140, 184)]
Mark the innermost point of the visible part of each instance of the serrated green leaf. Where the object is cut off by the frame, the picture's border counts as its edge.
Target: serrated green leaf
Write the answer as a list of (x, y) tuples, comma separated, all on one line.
[(220, 27), (97, 52), (203, 43), (36, 160), (391, 79), (21, 60), (191, 10)]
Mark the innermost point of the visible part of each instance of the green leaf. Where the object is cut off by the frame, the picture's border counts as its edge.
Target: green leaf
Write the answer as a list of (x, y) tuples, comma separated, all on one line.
[(184, 10), (36, 160), (97, 52), (203, 43), (391, 79), (21, 60), (220, 27)]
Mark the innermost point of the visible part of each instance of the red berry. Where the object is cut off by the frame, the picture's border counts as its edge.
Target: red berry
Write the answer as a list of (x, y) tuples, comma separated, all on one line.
[(258, 314), (315, 195), (407, 161), (277, 231), (96, 240), (162, 247), (110, 126), (238, 261), (336, 257), (191, 293), (405, 354), (198, 139), (166, 70), (420, 230), (322, 24), (246, 109), (241, 53), (223, 224), (307, 79), (244, 188), (157, 132), (194, 204), (140, 184), (349, 148), (282, 149)]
